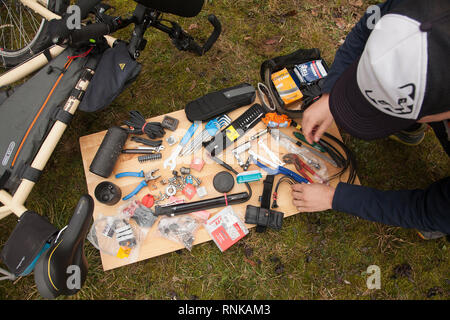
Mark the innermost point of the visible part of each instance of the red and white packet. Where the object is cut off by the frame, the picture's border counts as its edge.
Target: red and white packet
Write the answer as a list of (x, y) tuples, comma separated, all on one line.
[(225, 228)]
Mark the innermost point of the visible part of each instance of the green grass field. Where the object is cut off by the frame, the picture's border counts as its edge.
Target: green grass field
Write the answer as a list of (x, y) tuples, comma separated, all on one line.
[(316, 255)]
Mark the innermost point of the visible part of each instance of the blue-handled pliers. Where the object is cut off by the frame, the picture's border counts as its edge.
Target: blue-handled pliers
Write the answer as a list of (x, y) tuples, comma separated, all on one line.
[(281, 170), (147, 177)]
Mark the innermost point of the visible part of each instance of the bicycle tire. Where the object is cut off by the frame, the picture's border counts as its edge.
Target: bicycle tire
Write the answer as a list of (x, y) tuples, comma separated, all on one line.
[(13, 14)]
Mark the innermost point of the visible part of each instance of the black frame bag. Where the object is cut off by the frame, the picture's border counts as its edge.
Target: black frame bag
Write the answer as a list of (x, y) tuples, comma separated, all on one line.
[(28, 112), (311, 92), (115, 71)]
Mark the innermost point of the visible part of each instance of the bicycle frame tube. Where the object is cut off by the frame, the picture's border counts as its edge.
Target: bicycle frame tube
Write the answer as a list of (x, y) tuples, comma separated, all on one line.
[(39, 60), (15, 204), (26, 68)]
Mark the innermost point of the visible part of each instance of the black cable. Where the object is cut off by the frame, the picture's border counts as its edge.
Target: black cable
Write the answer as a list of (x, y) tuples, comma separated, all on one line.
[(344, 165), (334, 153), (138, 125), (345, 161), (275, 193), (348, 157), (151, 143)]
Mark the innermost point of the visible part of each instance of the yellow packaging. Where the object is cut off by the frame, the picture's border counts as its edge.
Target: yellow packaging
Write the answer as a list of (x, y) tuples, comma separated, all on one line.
[(286, 87), (123, 252), (232, 134)]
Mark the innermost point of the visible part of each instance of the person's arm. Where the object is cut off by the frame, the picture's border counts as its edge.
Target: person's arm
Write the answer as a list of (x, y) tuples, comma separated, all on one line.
[(425, 210), (317, 118), (353, 46)]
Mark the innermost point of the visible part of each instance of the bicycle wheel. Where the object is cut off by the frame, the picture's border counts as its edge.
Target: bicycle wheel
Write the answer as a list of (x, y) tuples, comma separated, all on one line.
[(21, 31)]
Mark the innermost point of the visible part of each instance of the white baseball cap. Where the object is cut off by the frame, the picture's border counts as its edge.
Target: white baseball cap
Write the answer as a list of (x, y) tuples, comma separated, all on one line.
[(402, 74)]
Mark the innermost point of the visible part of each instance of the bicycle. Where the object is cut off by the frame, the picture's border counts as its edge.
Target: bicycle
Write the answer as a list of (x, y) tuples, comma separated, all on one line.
[(41, 42)]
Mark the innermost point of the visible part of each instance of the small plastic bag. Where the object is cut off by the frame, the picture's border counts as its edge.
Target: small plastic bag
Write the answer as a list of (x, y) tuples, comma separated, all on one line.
[(179, 229), (201, 216), (134, 209), (115, 236), (316, 164)]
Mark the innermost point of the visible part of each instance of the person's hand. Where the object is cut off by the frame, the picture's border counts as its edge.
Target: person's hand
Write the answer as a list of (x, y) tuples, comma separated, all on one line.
[(317, 119), (312, 197)]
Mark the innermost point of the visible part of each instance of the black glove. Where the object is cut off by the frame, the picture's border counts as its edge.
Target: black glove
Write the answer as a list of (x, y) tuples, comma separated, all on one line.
[(57, 31)]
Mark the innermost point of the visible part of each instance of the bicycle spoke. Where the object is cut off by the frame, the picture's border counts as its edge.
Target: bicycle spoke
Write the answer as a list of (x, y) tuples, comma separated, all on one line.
[(23, 23)]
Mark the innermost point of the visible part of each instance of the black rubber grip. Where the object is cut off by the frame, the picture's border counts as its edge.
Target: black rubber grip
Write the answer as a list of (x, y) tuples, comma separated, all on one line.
[(91, 31)]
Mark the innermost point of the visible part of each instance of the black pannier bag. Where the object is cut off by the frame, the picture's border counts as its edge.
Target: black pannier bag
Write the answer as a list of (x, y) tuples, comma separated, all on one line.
[(115, 71), (311, 92), (29, 111)]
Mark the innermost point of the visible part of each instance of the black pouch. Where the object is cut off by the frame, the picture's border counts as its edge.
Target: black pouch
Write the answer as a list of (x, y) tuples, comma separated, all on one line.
[(219, 102), (26, 242), (115, 71), (264, 217), (311, 92)]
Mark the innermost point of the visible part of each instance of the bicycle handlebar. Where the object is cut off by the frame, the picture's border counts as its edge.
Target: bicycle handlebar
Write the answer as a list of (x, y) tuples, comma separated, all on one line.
[(195, 47), (183, 41), (215, 34), (86, 6)]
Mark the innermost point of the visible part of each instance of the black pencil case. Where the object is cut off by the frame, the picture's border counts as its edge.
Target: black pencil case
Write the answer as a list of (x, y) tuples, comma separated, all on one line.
[(220, 102)]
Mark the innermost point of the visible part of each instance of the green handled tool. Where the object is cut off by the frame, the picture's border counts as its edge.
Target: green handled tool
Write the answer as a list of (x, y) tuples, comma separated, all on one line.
[(315, 145)]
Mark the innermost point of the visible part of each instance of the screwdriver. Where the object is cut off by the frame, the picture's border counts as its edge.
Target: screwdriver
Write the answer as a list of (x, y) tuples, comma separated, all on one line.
[(315, 145)]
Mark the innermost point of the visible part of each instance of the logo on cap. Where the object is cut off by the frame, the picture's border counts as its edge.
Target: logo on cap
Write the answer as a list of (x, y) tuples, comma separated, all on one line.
[(404, 104)]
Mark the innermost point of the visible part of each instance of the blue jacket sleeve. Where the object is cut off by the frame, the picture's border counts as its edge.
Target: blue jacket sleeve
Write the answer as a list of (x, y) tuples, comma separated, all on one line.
[(425, 210), (353, 46)]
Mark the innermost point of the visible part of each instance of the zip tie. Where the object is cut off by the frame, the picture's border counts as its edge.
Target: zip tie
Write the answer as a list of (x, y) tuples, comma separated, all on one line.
[(82, 55)]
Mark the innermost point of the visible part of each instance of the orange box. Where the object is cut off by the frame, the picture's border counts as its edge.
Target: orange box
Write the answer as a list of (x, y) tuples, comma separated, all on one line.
[(286, 87)]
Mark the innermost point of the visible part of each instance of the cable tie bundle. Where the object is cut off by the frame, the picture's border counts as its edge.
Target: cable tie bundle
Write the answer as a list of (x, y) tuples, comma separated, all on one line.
[(138, 125)]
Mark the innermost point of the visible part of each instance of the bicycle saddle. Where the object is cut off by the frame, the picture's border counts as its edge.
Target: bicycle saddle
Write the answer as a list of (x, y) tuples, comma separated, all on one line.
[(63, 268), (181, 8)]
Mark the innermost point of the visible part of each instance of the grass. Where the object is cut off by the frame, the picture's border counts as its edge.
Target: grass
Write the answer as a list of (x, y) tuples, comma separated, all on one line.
[(316, 255)]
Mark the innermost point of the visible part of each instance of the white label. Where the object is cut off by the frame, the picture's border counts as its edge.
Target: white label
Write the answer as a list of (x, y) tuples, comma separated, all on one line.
[(8, 153)]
